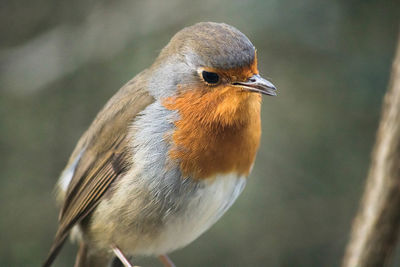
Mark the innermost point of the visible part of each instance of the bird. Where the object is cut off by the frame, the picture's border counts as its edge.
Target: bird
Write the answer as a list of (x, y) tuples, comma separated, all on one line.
[(168, 154)]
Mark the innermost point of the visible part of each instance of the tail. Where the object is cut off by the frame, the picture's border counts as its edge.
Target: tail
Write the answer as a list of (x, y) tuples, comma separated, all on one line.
[(83, 257), (55, 249)]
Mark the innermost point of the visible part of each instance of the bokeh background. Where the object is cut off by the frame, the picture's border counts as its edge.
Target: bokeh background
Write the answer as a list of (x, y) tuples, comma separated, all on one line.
[(61, 60)]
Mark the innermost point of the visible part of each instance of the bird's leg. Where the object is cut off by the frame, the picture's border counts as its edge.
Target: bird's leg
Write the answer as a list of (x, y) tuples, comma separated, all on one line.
[(166, 260), (121, 257)]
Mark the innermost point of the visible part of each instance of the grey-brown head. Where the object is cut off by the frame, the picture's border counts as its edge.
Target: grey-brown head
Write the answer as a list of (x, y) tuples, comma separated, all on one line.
[(207, 53)]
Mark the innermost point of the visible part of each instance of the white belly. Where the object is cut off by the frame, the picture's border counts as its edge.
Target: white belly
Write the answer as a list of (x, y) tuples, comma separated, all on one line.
[(204, 209)]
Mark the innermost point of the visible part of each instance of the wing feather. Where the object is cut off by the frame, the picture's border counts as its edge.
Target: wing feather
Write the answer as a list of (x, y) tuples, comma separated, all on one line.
[(106, 156)]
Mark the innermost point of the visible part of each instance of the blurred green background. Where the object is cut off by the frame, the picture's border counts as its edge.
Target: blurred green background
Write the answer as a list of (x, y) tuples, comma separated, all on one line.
[(61, 60)]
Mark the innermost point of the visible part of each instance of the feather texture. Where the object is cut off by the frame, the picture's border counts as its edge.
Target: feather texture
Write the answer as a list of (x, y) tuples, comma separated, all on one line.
[(104, 153)]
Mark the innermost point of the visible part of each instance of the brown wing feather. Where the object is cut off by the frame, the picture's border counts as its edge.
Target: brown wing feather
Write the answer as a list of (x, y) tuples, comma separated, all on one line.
[(106, 156), (84, 201)]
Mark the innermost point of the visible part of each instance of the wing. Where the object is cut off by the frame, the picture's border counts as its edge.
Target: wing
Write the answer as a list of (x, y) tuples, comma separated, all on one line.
[(105, 155)]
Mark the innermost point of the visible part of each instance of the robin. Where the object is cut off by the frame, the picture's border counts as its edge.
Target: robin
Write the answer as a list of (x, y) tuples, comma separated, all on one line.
[(168, 154)]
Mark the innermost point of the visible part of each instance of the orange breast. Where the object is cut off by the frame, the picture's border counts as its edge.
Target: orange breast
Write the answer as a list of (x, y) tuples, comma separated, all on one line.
[(218, 131)]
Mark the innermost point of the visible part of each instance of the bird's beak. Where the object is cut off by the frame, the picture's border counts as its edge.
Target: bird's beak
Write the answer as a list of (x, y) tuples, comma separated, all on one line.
[(258, 84)]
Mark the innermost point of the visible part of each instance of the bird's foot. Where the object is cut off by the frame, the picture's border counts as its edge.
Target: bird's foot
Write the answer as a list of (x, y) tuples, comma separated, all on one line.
[(166, 261), (124, 260)]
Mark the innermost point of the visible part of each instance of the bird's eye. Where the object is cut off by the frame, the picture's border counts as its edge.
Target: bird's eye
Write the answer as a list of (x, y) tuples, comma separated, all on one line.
[(210, 77)]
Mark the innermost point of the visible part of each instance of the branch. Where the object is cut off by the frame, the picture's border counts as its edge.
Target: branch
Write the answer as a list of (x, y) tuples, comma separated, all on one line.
[(375, 229)]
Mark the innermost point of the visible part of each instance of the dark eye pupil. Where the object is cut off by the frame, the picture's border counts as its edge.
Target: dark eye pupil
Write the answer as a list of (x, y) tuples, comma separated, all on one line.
[(210, 77)]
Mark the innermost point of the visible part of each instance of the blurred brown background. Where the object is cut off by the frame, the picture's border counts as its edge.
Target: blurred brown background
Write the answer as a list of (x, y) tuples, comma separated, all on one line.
[(61, 60)]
